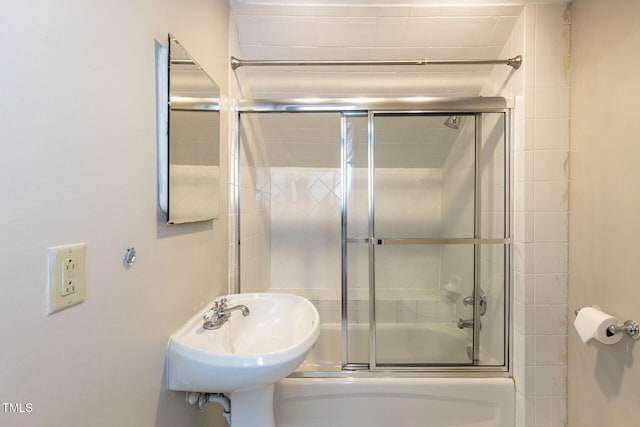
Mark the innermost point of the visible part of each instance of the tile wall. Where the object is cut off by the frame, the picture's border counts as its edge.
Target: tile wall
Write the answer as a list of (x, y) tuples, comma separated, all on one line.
[(306, 244), (541, 91), (541, 138)]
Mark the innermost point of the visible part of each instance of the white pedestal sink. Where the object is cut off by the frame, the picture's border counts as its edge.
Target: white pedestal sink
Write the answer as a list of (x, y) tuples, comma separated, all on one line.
[(246, 356)]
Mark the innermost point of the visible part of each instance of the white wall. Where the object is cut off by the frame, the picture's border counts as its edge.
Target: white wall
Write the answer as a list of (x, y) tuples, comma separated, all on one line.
[(604, 381), (78, 164)]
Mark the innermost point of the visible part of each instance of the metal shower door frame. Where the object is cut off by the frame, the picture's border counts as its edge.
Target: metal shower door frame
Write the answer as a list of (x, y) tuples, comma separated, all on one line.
[(373, 241), (369, 107)]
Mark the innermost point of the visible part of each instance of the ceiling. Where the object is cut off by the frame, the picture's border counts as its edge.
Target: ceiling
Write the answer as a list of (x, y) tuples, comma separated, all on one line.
[(371, 30), (367, 30)]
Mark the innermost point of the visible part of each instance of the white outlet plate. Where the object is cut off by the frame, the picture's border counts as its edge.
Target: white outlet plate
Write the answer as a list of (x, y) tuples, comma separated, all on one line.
[(66, 276)]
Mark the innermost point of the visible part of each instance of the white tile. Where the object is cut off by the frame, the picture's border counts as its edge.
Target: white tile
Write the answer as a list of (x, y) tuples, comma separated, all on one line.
[(551, 196), (529, 131), (518, 226), (552, 39), (389, 32), (559, 412), (551, 134), (302, 31), (273, 30), (361, 32), (425, 10), (550, 258), (434, 312), (552, 103), (523, 318), (528, 165), (550, 289), (543, 412), (550, 381), (394, 11), (407, 311), (551, 165), (529, 69), (293, 10), (449, 32), (523, 196), (523, 288), (333, 32), (530, 95), (529, 227), (520, 410), (484, 10), (550, 14), (550, 319), (561, 103), (551, 350), (519, 377), (524, 349), (362, 11), (275, 10), (551, 227), (327, 315), (530, 405), (552, 71), (362, 316), (523, 254), (386, 312)]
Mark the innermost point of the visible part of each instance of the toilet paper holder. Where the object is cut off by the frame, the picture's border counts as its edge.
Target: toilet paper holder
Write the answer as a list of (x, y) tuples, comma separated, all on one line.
[(629, 327)]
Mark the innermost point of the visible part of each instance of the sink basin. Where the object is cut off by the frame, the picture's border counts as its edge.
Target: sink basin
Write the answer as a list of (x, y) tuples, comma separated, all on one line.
[(246, 356)]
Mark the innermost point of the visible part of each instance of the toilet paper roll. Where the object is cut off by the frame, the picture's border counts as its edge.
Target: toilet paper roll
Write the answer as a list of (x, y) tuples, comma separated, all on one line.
[(592, 323)]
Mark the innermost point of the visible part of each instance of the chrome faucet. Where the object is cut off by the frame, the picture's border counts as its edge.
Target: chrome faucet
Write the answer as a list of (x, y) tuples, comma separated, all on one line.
[(465, 323), (482, 309), (219, 314)]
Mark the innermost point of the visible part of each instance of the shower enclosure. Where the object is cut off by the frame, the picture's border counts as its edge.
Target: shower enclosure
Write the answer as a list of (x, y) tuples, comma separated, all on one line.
[(392, 217)]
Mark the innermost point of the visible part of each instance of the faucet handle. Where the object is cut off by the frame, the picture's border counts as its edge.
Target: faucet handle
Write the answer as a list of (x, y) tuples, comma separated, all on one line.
[(208, 315), (223, 303)]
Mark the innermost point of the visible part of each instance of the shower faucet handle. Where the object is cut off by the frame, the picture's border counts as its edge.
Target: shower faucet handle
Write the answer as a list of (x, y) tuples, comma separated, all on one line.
[(470, 300)]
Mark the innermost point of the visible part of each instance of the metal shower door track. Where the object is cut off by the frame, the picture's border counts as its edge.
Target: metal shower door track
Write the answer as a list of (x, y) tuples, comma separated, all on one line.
[(404, 104)]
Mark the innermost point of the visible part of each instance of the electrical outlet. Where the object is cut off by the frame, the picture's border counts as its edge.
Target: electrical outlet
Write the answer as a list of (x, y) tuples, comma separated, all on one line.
[(66, 276), (69, 276)]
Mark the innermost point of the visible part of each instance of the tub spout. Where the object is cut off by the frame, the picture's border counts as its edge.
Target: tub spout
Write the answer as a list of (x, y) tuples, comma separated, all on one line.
[(465, 323)]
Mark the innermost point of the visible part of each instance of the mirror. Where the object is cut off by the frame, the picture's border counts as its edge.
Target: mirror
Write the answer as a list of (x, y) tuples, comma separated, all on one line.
[(194, 140)]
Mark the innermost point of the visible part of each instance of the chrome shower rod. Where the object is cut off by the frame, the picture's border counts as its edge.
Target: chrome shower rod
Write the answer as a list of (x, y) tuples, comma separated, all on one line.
[(236, 63)]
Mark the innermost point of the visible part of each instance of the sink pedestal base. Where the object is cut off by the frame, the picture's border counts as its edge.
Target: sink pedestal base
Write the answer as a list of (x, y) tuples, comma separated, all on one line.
[(252, 408)]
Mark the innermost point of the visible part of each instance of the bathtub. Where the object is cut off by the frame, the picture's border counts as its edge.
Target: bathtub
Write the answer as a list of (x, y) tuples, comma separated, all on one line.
[(394, 402), (404, 343), (384, 400)]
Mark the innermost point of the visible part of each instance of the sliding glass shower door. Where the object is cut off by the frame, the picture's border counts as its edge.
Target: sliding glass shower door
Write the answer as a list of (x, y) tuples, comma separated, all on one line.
[(395, 224), (425, 240)]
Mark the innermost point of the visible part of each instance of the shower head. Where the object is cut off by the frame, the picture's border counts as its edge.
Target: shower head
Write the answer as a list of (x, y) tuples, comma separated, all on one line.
[(452, 122)]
